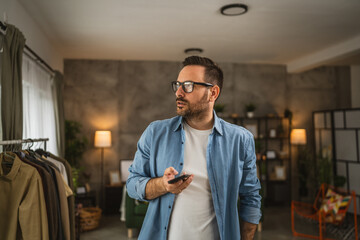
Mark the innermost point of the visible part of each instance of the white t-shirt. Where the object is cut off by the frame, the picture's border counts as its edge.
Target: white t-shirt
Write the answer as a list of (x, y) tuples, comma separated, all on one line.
[(193, 215)]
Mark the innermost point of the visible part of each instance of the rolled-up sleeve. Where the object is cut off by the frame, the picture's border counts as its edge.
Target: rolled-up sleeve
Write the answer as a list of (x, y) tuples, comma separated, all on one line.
[(250, 199), (140, 168)]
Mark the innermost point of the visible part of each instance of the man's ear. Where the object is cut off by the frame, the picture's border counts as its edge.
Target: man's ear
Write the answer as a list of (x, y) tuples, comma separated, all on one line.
[(214, 93)]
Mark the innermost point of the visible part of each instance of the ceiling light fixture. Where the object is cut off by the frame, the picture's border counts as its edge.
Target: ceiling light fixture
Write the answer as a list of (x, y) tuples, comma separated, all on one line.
[(234, 9), (193, 51)]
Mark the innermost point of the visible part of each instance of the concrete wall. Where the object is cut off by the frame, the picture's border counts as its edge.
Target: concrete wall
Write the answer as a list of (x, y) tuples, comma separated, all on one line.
[(125, 96), (318, 89), (355, 86)]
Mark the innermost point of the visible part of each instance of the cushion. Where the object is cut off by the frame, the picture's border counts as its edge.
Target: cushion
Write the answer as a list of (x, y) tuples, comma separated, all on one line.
[(334, 206)]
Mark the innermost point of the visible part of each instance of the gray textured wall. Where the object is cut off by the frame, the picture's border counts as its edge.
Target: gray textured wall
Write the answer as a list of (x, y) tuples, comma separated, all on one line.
[(125, 96)]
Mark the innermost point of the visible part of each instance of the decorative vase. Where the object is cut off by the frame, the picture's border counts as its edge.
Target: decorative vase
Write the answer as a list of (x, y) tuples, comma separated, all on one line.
[(250, 114)]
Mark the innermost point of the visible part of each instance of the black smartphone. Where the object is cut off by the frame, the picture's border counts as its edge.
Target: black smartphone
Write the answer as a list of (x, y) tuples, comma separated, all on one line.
[(182, 177)]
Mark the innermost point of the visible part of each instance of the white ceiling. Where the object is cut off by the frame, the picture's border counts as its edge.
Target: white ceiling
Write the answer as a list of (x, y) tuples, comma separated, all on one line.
[(291, 32)]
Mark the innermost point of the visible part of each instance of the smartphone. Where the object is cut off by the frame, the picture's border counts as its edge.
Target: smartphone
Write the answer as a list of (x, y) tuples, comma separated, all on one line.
[(182, 177)]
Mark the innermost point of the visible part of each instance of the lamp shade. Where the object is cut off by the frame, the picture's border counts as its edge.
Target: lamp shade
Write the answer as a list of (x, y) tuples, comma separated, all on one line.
[(298, 136), (102, 139)]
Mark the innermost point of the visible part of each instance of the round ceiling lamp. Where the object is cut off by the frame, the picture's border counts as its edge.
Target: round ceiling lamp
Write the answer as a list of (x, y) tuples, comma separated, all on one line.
[(193, 51), (234, 9)]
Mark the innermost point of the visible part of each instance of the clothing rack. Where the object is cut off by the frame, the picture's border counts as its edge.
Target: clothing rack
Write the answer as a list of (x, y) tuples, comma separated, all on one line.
[(29, 140)]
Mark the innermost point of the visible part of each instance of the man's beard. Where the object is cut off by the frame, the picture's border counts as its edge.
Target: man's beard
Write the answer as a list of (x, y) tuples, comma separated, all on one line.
[(195, 110)]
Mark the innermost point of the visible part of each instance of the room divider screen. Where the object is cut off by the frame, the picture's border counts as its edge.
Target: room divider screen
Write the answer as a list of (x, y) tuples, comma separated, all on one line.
[(337, 138)]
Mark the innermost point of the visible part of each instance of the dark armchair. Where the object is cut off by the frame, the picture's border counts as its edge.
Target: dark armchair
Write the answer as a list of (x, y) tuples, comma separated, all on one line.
[(135, 214)]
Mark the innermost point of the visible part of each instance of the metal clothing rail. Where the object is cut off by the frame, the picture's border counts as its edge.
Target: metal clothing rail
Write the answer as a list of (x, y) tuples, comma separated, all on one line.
[(29, 140), (38, 59)]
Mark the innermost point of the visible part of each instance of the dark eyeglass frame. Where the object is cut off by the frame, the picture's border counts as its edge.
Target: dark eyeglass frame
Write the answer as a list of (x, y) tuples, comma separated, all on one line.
[(176, 85)]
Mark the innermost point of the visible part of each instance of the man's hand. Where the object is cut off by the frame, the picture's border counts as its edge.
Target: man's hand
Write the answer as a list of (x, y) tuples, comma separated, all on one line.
[(247, 230), (160, 186)]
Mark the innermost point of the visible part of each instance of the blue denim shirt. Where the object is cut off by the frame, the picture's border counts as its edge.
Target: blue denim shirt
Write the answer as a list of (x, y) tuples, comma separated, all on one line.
[(231, 167)]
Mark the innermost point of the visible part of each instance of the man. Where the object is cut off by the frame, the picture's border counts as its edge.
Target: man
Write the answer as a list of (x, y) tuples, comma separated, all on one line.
[(219, 156)]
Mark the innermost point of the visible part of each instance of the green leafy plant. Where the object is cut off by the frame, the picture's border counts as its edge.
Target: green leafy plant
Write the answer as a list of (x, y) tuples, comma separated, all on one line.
[(258, 146), (325, 173), (250, 107), (75, 146), (305, 165), (339, 181), (219, 108), (288, 113)]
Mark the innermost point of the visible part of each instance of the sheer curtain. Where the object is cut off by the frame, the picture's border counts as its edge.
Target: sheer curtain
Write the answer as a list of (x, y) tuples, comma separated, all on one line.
[(38, 104)]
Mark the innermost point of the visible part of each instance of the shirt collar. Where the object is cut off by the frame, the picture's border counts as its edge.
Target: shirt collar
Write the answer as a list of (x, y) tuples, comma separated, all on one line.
[(178, 123), (14, 168), (217, 125)]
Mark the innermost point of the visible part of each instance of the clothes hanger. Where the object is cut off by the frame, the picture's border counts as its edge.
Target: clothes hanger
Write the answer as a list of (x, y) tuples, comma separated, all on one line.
[(3, 29), (29, 151), (7, 156), (41, 151), (3, 26)]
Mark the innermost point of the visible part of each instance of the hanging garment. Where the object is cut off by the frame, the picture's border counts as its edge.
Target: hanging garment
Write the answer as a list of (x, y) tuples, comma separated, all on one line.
[(64, 192), (61, 167), (63, 205), (22, 204), (71, 199), (50, 199), (51, 171)]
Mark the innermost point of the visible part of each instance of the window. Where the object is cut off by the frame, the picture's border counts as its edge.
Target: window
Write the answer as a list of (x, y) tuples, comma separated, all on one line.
[(38, 104)]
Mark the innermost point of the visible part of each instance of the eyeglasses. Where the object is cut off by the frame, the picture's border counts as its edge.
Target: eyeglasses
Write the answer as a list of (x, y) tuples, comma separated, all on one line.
[(188, 86)]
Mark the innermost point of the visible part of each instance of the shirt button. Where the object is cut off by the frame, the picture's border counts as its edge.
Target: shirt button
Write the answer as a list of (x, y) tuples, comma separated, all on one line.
[(169, 206), (181, 164), (165, 228)]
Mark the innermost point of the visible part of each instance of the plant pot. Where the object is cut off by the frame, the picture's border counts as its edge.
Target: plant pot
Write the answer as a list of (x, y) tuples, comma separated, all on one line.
[(250, 114)]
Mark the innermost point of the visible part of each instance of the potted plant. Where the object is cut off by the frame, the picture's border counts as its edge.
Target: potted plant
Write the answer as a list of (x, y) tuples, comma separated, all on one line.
[(305, 170), (325, 173), (75, 146), (288, 113), (219, 109), (250, 108)]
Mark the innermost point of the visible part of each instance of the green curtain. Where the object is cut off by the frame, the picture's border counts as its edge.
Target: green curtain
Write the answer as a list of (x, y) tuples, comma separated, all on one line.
[(58, 86), (11, 83)]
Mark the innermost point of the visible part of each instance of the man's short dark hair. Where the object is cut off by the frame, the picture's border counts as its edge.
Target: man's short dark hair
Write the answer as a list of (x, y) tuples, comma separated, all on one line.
[(213, 73)]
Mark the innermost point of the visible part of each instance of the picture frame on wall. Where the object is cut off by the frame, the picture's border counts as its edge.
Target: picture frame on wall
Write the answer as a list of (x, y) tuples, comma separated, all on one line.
[(270, 154), (272, 133), (280, 172), (114, 178), (252, 128), (81, 190), (124, 169)]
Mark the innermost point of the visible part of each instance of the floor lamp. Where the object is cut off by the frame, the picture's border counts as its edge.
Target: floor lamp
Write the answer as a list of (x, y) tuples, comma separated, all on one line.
[(102, 140), (298, 138)]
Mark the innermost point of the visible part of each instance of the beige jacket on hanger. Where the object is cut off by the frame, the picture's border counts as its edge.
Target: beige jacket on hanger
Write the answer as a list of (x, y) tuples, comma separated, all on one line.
[(22, 204)]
